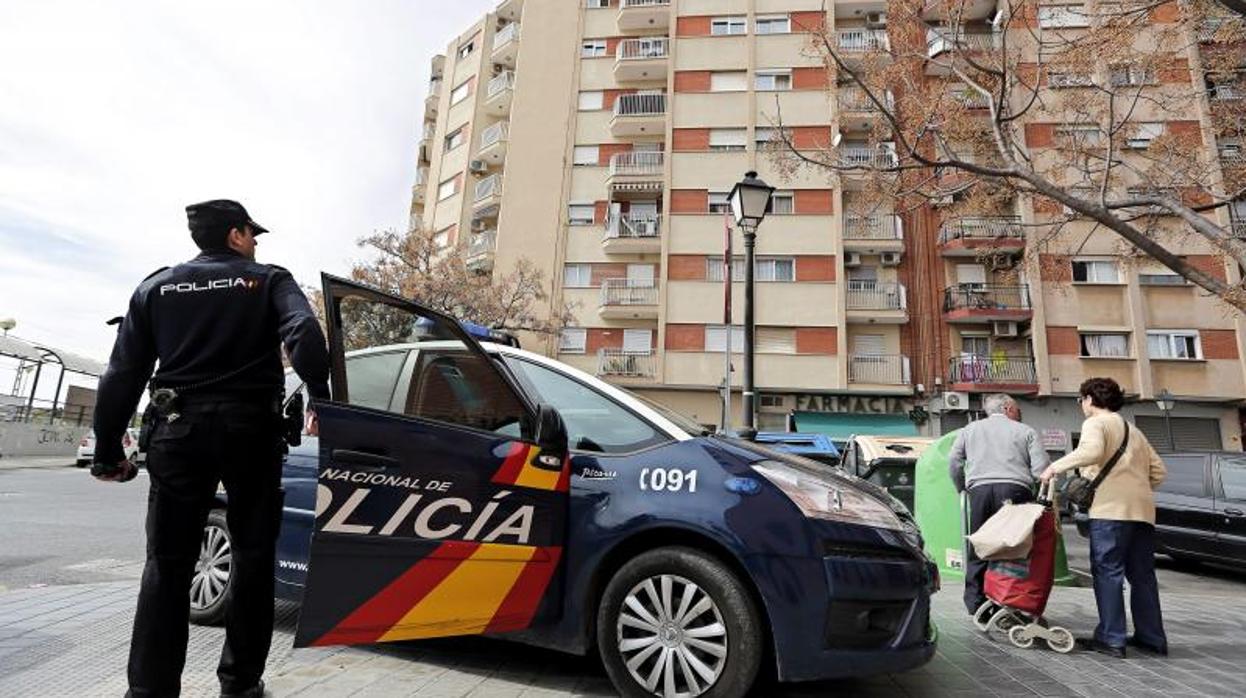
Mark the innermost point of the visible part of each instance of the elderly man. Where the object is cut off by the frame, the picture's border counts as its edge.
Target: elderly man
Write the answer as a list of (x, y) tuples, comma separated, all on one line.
[(997, 459)]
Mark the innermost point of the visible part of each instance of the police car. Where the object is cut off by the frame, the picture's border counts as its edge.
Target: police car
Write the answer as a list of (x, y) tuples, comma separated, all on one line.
[(467, 488)]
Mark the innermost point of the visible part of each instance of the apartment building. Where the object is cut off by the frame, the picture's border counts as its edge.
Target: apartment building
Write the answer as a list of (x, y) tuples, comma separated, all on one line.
[(598, 139)]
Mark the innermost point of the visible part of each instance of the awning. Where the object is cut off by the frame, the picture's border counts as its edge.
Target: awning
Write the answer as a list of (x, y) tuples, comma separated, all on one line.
[(841, 426)]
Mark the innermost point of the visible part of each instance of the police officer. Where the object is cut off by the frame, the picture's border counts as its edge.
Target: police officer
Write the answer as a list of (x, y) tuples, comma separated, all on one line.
[(216, 325)]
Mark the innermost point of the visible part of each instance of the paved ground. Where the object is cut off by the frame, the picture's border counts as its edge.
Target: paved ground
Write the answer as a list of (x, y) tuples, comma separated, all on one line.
[(69, 637)]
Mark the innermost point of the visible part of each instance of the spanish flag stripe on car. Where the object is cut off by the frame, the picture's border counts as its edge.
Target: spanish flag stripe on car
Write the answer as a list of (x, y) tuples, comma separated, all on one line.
[(519, 469), (520, 606)]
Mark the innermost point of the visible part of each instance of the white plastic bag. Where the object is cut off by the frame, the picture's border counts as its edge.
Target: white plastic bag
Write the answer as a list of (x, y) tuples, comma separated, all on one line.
[(1009, 534)]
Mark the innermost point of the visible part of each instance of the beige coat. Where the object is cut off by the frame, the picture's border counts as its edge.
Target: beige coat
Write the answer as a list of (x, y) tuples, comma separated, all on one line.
[(1127, 493)]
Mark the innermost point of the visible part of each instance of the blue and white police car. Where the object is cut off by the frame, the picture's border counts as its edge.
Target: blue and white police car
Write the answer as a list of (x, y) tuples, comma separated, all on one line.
[(473, 488)]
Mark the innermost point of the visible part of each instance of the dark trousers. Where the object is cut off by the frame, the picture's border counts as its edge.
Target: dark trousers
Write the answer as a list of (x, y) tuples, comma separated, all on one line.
[(237, 444), (984, 501), (1119, 551)]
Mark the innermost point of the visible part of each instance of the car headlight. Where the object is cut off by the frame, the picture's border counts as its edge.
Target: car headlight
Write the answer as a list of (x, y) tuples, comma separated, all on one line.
[(819, 499)]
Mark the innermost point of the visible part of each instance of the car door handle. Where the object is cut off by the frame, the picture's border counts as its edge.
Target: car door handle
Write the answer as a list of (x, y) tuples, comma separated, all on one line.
[(364, 460), (1235, 512)]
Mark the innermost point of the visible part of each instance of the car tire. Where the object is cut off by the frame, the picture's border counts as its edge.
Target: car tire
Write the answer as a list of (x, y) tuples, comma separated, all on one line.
[(683, 579), (210, 586), (82, 462)]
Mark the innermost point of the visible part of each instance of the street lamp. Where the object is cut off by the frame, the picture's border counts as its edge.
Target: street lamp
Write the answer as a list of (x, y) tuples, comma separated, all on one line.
[(1165, 402), (750, 202)]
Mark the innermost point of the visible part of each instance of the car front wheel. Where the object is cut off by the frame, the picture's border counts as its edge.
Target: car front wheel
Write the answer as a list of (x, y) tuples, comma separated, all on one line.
[(209, 588), (677, 622)]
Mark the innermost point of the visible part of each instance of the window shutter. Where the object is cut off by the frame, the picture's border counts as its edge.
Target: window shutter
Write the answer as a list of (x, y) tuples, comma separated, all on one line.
[(776, 340), (733, 81), (637, 341), (869, 345)]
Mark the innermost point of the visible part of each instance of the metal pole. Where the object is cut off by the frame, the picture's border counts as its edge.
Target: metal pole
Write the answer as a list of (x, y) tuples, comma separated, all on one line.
[(727, 280), (1172, 443), (750, 241), (56, 397), (30, 402)]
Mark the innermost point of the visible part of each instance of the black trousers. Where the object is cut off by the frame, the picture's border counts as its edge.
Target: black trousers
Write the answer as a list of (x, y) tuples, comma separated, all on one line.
[(984, 501), (238, 444)]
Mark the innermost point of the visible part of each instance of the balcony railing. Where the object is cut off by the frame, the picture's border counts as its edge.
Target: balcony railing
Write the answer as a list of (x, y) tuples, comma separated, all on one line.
[(867, 156), (1238, 229), (493, 134), (640, 105), (862, 40), (487, 187), (874, 227), (629, 292), (1226, 93), (505, 35), (879, 369), (482, 244), (434, 88), (992, 370), (985, 297), (504, 80), (864, 294), (854, 99), (627, 363), (633, 225), (643, 49), (982, 228), (939, 40), (1210, 28), (421, 176), (639, 163), (628, 4)]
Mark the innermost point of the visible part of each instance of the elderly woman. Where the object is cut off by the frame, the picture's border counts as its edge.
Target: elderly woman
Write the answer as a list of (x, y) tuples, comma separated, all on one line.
[(1122, 521)]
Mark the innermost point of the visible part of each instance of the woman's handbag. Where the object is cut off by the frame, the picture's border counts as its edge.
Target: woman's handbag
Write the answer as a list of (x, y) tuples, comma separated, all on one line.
[(1080, 491)]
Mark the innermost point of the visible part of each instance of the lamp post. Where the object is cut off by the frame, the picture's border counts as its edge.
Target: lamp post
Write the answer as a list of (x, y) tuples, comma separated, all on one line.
[(1165, 402), (750, 202)]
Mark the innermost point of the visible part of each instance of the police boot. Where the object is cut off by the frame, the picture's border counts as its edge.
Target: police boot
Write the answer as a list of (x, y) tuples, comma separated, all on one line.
[(256, 691)]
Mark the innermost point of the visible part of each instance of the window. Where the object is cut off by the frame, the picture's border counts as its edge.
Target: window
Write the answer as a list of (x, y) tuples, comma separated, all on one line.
[(775, 269), (1079, 134), (593, 48), (441, 239), (1057, 16), (573, 340), (1186, 476), (1113, 345), (772, 80), (970, 274), (456, 138), (597, 4), (591, 100), (1233, 477), (460, 93), (716, 338), (764, 137), (773, 24), (776, 340), (783, 202), (1143, 135), (638, 341), (729, 81), (448, 188), (1162, 278), (580, 214), (1062, 79), (372, 378), (723, 26), (584, 155), (577, 275), (1130, 75), (1174, 344), (1101, 271), (718, 202), (466, 49), (594, 422), (714, 268), (728, 138)]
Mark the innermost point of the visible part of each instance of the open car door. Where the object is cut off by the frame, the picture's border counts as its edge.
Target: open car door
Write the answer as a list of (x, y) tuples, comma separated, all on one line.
[(437, 513)]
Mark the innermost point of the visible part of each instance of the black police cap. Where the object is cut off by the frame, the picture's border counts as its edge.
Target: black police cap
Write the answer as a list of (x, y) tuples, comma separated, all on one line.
[(220, 212)]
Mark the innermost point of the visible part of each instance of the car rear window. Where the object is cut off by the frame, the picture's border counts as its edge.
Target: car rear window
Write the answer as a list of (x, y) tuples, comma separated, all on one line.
[(1185, 476), (1233, 477)]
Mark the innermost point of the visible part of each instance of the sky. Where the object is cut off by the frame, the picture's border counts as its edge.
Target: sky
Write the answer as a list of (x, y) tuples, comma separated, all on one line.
[(115, 116)]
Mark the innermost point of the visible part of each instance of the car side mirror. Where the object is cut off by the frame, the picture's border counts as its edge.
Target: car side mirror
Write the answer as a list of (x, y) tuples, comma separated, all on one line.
[(293, 421), (551, 437)]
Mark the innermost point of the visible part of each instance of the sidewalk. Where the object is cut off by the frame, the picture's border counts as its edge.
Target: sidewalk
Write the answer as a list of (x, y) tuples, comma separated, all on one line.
[(73, 640), (20, 462)]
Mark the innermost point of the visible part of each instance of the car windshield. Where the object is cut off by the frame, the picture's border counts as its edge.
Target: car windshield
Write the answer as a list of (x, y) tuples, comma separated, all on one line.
[(684, 422)]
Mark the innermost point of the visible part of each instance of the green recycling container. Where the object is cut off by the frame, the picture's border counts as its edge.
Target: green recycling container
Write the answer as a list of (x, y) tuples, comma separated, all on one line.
[(939, 511)]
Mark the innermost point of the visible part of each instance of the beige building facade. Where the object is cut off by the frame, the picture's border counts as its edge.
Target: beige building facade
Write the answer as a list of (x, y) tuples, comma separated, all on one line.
[(598, 139)]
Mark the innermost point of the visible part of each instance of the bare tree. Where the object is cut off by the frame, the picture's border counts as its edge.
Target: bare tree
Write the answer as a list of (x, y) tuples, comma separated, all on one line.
[(1089, 112)]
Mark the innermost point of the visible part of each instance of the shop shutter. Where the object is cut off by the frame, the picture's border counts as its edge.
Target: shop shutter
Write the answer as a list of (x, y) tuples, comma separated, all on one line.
[(1190, 433), (951, 421)]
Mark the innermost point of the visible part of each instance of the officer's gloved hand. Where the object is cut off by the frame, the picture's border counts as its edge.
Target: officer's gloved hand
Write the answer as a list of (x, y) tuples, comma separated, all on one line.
[(115, 472)]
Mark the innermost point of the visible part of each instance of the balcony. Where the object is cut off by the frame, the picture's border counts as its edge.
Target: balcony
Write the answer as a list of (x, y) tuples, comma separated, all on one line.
[(946, 45), (420, 188), (874, 233), (632, 233), (499, 92), (639, 115), (1227, 93), (1237, 228), (857, 112), (876, 302), (626, 363), (493, 143), (1221, 29), (638, 15), (860, 41), (938, 10), (992, 374), (480, 250), (867, 157), (628, 299), (487, 197), (432, 100), (642, 59), (983, 303), (636, 174), (879, 369), (506, 45), (971, 236)]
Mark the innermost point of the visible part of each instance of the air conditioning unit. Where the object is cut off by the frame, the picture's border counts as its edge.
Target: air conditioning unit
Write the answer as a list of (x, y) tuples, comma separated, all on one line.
[(876, 20), (952, 401), (890, 259), (478, 167), (1004, 328), (852, 259), (480, 225)]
